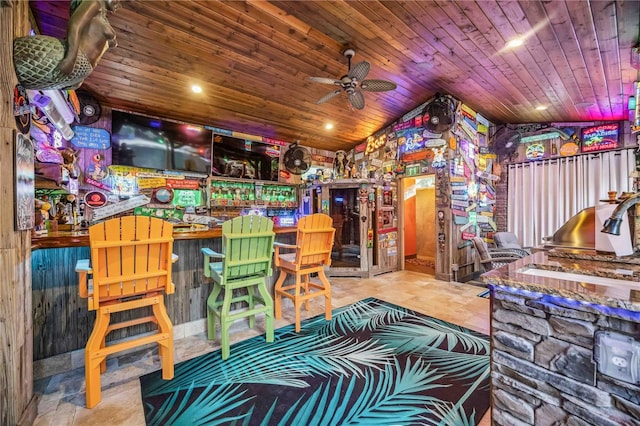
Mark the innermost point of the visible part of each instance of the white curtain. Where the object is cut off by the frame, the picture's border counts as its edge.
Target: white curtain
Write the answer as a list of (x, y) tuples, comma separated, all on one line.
[(543, 195)]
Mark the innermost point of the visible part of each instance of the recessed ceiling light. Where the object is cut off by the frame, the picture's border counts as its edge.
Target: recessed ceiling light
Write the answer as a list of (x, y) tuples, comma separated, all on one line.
[(196, 89), (328, 126), (516, 42), (541, 107)]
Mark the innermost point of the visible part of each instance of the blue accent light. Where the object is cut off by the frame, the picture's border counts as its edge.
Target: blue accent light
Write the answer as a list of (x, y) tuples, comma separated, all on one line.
[(156, 124), (565, 301)]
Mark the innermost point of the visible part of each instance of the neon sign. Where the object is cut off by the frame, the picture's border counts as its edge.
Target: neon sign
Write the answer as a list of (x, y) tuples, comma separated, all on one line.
[(599, 138)]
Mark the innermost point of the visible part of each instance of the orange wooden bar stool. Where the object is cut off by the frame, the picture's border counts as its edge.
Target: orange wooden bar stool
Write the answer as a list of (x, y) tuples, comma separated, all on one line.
[(130, 268), (312, 253)]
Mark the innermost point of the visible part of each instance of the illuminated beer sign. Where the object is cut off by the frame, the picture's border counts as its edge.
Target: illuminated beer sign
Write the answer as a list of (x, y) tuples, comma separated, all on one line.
[(600, 138)]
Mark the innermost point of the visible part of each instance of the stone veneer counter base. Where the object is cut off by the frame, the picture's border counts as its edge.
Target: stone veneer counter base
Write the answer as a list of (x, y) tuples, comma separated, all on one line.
[(543, 335)]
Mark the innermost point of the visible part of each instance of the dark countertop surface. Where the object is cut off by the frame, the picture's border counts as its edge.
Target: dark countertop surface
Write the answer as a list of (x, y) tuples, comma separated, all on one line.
[(599, 267)]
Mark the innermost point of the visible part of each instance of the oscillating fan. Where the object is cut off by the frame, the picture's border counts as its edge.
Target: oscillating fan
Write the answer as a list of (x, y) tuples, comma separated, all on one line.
[(353, 83), (439, 115), (506, 140), (297, 159)]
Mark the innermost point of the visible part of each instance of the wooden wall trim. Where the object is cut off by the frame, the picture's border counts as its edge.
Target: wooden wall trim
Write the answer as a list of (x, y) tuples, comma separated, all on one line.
[(16, 333)]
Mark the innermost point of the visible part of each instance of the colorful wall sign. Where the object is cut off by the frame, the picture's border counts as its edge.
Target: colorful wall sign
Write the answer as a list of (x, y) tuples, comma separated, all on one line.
[(535, 151), (91, 137), (599, 138)]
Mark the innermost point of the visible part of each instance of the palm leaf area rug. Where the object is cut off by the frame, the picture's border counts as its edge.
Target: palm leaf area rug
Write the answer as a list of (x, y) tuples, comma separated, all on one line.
[(374, 363)]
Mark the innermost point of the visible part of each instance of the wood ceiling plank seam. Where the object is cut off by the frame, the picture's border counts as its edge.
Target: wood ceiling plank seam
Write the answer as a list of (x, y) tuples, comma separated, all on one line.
[(535, 12), (628, 14), (271, 117), (560, 23), (280, 119), (511, 63), (283, 86), (389, 45), (534, 57), (450, 44), (407, 38), (438, 33), (343, 13), (363, 50), (498, 59), (282, 41), (211, 70), (384, 52), (379, 67), (582, 20), (200, 38), (609, 49)]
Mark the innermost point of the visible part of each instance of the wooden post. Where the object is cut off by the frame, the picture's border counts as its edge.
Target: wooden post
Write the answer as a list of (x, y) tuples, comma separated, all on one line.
[(17, 402)]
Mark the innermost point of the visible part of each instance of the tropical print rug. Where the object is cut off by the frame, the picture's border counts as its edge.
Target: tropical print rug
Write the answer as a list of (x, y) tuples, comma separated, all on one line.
[(375, 363)]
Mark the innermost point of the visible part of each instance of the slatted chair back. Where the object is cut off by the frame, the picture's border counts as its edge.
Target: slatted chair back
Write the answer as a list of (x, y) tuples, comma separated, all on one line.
[(314, 240), (130, 256), (247, 245), (130, 267)]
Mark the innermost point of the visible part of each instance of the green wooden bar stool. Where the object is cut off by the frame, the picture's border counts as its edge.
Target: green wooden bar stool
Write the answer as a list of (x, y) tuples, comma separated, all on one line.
[(239, 271)]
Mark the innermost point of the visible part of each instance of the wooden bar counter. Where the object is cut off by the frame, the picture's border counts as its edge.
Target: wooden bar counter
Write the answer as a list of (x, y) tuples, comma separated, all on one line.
[(61, 239), (61, 320)]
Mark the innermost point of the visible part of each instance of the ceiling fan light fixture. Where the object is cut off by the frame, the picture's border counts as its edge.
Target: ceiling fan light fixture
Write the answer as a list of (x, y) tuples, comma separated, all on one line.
[(541, 108), (354, 83)]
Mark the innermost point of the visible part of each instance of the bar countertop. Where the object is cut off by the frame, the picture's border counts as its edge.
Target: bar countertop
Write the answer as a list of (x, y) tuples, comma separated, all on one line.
[(599, 268), (61, 239)]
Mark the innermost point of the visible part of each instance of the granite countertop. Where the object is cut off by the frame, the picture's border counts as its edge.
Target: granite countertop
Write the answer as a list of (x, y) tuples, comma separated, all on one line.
[(624, 295)]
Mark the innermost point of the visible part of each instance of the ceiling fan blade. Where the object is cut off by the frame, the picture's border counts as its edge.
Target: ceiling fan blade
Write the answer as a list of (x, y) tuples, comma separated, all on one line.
[(328, 96), (324, 80), (378, 85), (359, 70), (356, 99)]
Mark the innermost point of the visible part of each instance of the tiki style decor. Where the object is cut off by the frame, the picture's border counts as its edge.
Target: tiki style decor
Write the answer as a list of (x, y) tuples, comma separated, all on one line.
[(43, 62)]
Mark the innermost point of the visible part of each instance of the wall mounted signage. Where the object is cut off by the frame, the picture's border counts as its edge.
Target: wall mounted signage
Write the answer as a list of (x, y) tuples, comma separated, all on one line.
[(535, 151), (24, 181), (568, 149), (600, 138), (91, 137), (21, 109), (163, 195), (540, 138), (95, 199)]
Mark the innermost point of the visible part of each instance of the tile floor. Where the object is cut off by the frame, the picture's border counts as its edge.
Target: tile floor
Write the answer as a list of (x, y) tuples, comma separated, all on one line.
[(63, 398)]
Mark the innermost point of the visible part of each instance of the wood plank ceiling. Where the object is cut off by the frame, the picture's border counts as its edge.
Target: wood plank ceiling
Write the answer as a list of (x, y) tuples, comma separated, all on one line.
[(253, 60)]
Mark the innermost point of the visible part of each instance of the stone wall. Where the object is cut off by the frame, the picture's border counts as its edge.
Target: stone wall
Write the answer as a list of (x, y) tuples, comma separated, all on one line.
[(542, 363)]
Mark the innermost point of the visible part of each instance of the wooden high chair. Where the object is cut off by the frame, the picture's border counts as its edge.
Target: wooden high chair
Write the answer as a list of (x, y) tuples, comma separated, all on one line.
[(131, 261), (312, 254), (245, 264)]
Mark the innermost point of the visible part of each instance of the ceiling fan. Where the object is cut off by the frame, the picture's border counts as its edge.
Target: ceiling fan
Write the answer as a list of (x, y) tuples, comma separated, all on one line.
[(353, 83)]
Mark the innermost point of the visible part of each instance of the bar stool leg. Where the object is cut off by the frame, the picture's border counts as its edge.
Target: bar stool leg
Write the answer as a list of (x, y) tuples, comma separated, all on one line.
[(93, 358)]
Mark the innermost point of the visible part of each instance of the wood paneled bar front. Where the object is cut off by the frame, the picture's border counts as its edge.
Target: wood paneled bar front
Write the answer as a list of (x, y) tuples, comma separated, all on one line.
[(62, 322)]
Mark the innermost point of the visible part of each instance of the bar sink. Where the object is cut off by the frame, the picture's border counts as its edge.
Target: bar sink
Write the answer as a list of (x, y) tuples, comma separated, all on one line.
[(627, 277)]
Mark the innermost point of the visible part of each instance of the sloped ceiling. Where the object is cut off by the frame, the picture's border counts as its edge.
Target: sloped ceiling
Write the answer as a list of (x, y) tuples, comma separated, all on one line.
[(253, 60)]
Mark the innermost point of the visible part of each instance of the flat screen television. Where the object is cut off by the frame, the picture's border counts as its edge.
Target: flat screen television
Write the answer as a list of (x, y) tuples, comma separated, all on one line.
[(146, 142), (243, 158)]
